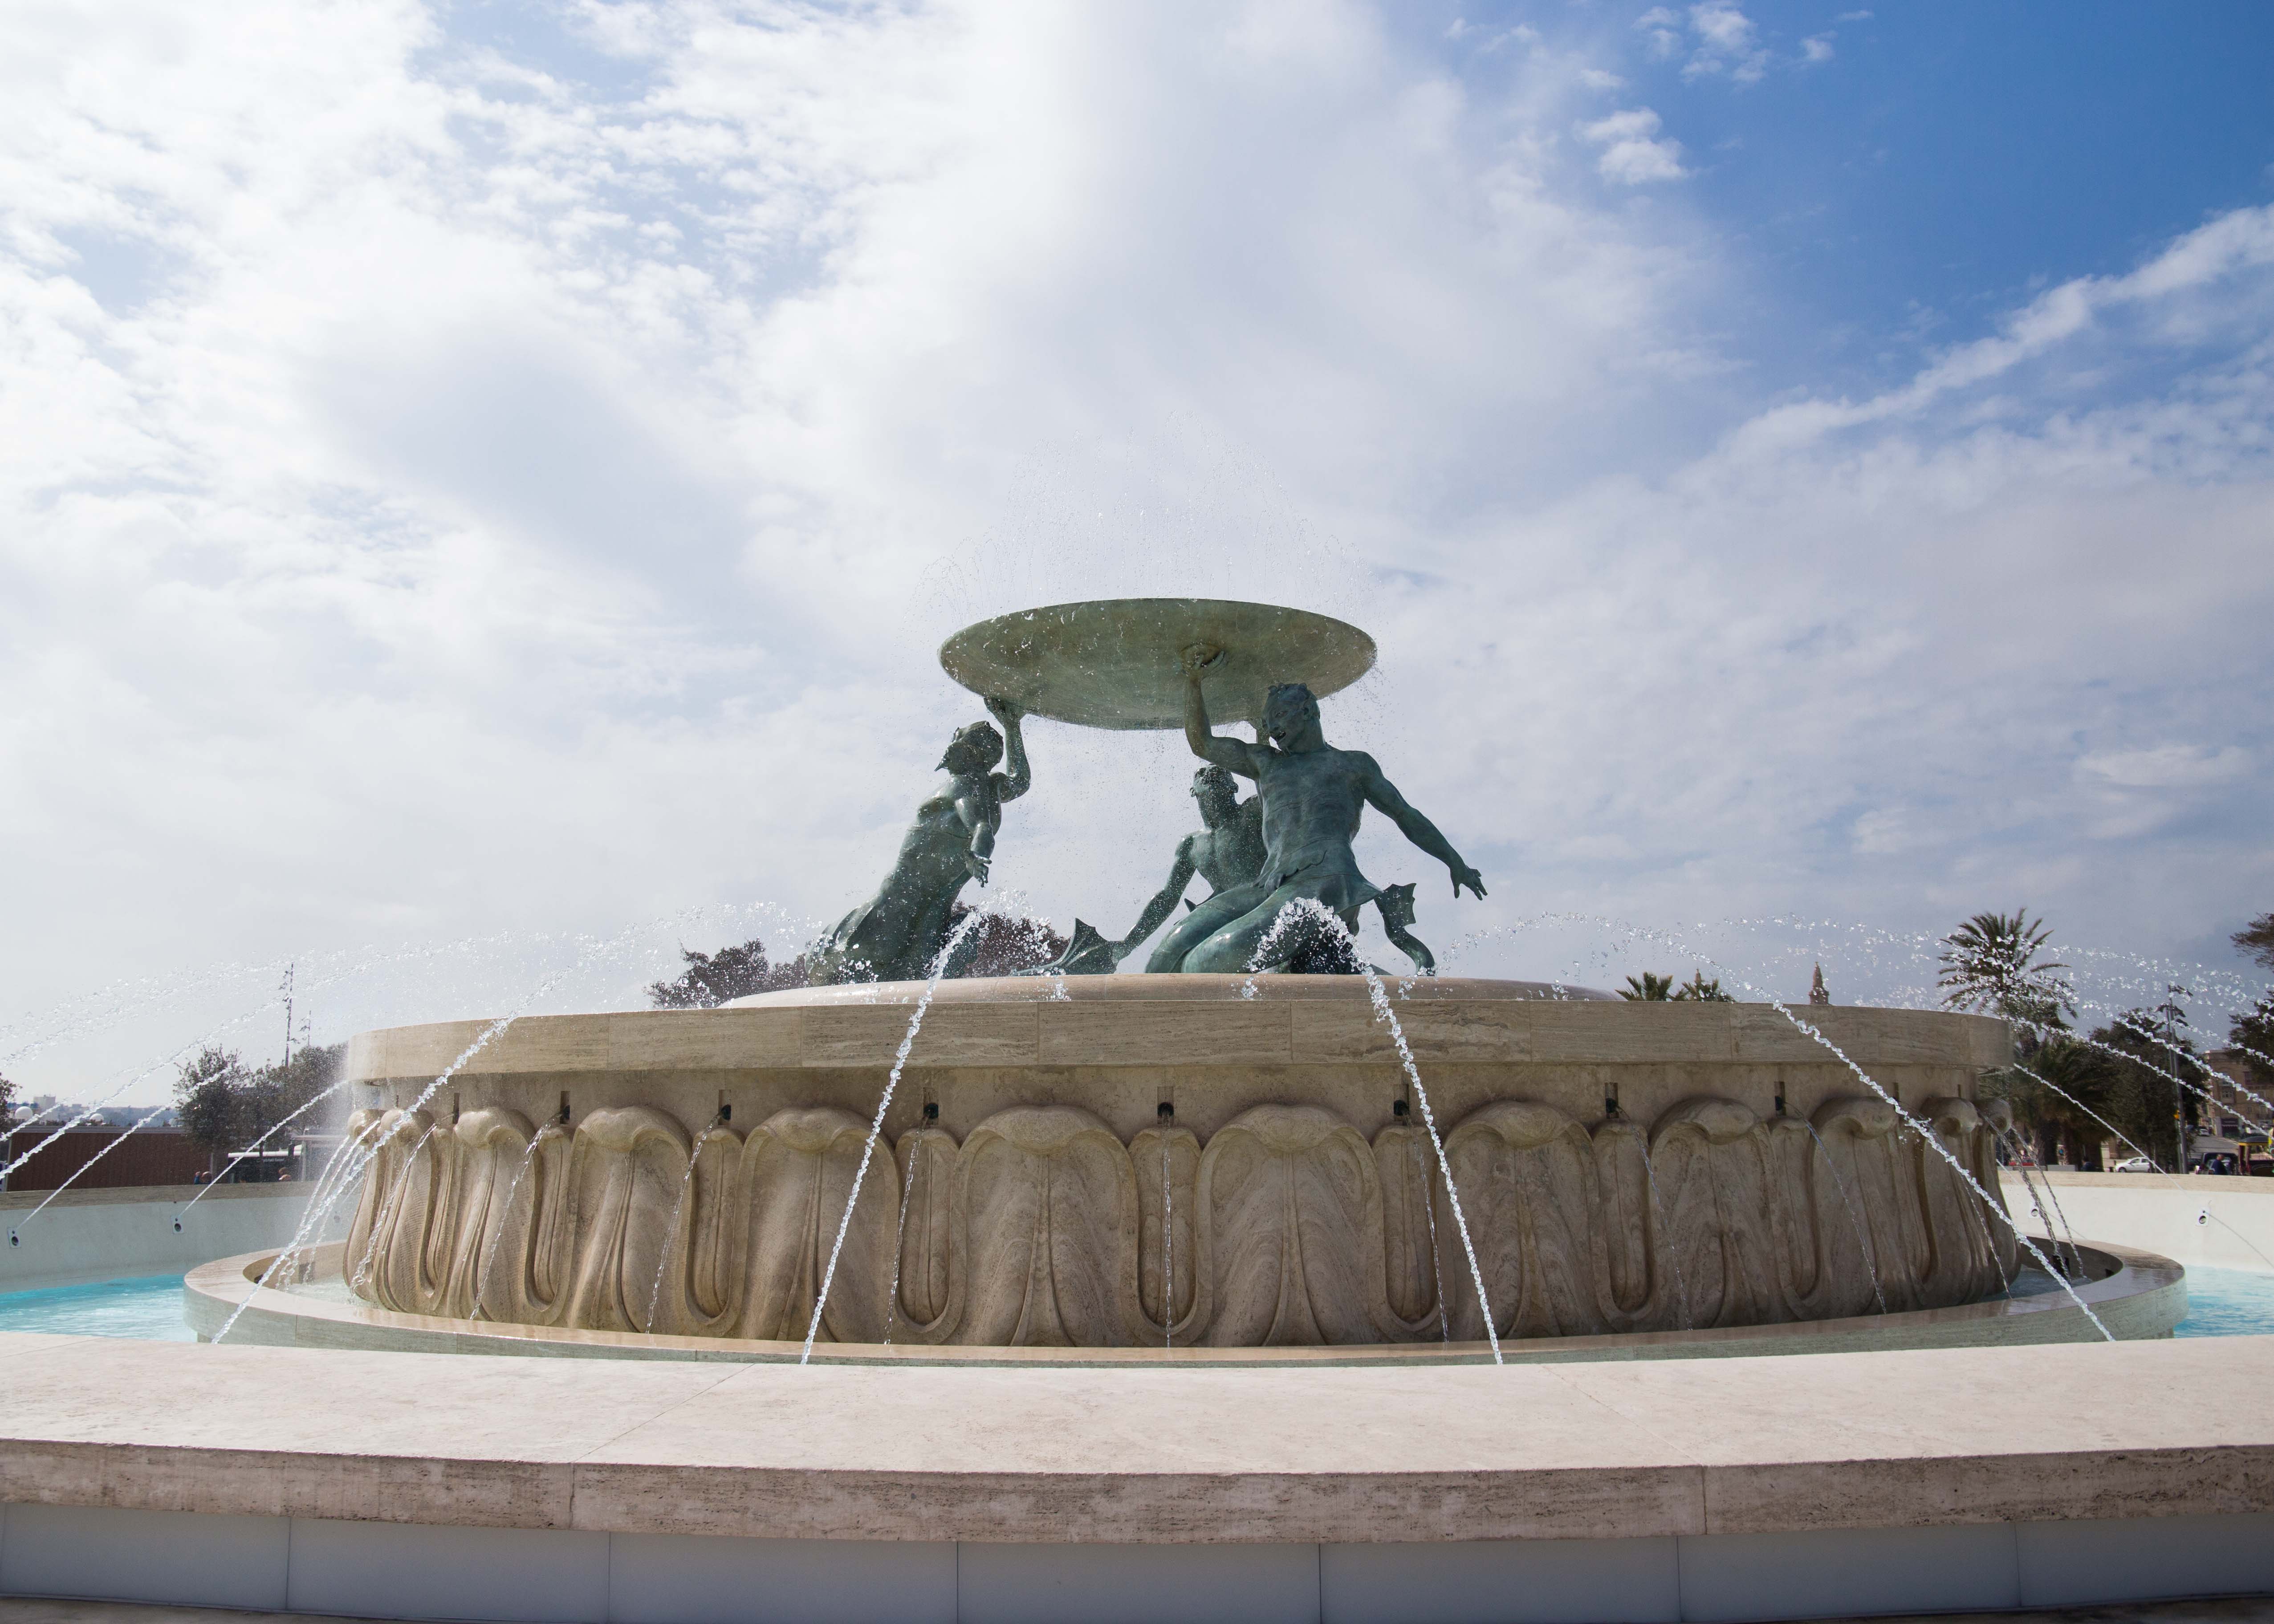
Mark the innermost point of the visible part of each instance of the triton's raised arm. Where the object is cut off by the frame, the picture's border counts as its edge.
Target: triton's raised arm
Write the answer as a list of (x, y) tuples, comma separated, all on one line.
[(1164, 903), (1382, 796), (1021, 778), (1236, 755)]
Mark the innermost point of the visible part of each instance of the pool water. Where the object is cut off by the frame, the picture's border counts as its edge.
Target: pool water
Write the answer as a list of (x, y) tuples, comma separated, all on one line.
[(2220, 1302), (148, 1306), (2223, 1303)]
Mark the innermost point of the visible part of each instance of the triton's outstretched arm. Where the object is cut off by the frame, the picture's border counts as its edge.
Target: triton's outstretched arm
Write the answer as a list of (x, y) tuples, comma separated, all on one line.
[(1234, 755), (1164, 903), (1382, 794)]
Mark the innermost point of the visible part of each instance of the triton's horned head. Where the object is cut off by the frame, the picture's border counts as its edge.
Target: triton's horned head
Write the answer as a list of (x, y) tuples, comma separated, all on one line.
[(974, 748), (1285, 709)]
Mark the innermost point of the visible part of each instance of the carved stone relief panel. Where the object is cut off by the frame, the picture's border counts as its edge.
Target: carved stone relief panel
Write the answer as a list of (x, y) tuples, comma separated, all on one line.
[(1284, 1227), (797, 1173), (1047, 1208), (1530, 1187), (1293, 1243)]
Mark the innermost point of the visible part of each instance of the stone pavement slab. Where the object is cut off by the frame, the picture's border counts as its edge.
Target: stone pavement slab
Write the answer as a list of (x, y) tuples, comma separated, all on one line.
[(1744, 1446)]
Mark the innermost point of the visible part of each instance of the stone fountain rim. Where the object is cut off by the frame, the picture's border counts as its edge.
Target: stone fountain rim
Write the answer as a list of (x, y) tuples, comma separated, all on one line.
[(1203, 1022), (1178, 987)]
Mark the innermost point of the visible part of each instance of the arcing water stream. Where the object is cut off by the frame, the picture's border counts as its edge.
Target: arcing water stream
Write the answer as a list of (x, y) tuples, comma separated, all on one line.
[(868, 1150), (1305, 912)]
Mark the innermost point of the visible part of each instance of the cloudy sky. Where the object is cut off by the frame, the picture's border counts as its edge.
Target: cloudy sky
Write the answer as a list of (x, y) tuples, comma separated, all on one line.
[(482, 484)]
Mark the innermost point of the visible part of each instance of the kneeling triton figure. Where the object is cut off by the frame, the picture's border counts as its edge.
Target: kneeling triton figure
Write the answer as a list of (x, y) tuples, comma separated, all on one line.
[(1313, 796)]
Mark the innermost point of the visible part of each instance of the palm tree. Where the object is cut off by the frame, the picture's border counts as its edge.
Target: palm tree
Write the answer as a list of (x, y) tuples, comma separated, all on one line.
[(1990, 964), (1665, 989)]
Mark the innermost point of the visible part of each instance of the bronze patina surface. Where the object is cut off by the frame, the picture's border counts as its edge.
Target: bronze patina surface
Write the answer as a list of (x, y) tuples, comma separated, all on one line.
[(1116, 663)]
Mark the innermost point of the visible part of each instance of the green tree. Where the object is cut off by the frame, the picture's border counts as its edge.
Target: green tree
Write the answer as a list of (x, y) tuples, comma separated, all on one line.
[(2255, 940), (2145, 1101), (1650, 988), (1992, 964), (1005, 946), (712, 979), (273, 1093), (2252, 1031), (209, 1099), (7, 1111), (224, 1106), (2056, 1092)]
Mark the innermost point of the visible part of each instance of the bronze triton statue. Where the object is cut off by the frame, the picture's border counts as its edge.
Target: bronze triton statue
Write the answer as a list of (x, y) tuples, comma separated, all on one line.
[(1117, 664), (1226, 851), (897, 933), (1314, 795)]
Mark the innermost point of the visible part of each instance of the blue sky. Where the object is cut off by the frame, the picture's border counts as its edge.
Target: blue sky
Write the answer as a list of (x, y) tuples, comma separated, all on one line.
[(482, 487), (1941, 161)]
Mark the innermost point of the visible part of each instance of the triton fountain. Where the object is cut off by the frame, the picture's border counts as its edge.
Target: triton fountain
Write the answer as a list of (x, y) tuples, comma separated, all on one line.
[(1230, 1153)]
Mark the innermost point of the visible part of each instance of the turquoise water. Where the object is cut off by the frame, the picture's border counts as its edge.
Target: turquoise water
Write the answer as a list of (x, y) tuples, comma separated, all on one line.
[(150, 1307), (2228, 1303), (2220, 1302)]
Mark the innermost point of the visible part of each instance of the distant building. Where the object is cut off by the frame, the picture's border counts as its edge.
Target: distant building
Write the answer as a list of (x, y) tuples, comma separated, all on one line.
[(2230, 1108), (1816, 992)]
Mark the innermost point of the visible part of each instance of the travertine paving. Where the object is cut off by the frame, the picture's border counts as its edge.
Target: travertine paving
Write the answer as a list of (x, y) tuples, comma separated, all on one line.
[(2221, 1610), (1736, 1446)]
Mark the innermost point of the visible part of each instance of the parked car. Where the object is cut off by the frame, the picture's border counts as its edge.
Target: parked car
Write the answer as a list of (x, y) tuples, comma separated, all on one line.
[(2133, 1164)]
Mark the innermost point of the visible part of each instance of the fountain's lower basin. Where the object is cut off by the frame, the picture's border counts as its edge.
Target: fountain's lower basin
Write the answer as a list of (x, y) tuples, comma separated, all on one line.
[(2136, 1295), (1625, 1170)]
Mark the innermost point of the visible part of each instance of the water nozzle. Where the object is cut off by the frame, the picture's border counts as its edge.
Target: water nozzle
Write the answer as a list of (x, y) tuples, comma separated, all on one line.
[(563, 1118), (1398, 1108), (1780, 1104), (454, 1109), (931, 1110), (1611, 1108), (1167, 1112), (725, 1107)]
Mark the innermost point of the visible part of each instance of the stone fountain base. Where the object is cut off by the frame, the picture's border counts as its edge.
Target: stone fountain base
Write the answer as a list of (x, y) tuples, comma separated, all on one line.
[(1195, 1161), (2136, 1295)]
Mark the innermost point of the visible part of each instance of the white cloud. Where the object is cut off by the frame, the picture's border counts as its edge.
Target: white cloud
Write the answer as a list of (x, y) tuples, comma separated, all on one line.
[(1727, 42), (2233, 246), (1817, 47), (1632, 156), (1662, 30), (2166, 766), (1595, 78), (453, 495)]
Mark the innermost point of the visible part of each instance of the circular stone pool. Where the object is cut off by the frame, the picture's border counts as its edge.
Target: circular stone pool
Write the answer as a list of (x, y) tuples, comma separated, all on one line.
[(1178, 1162)]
